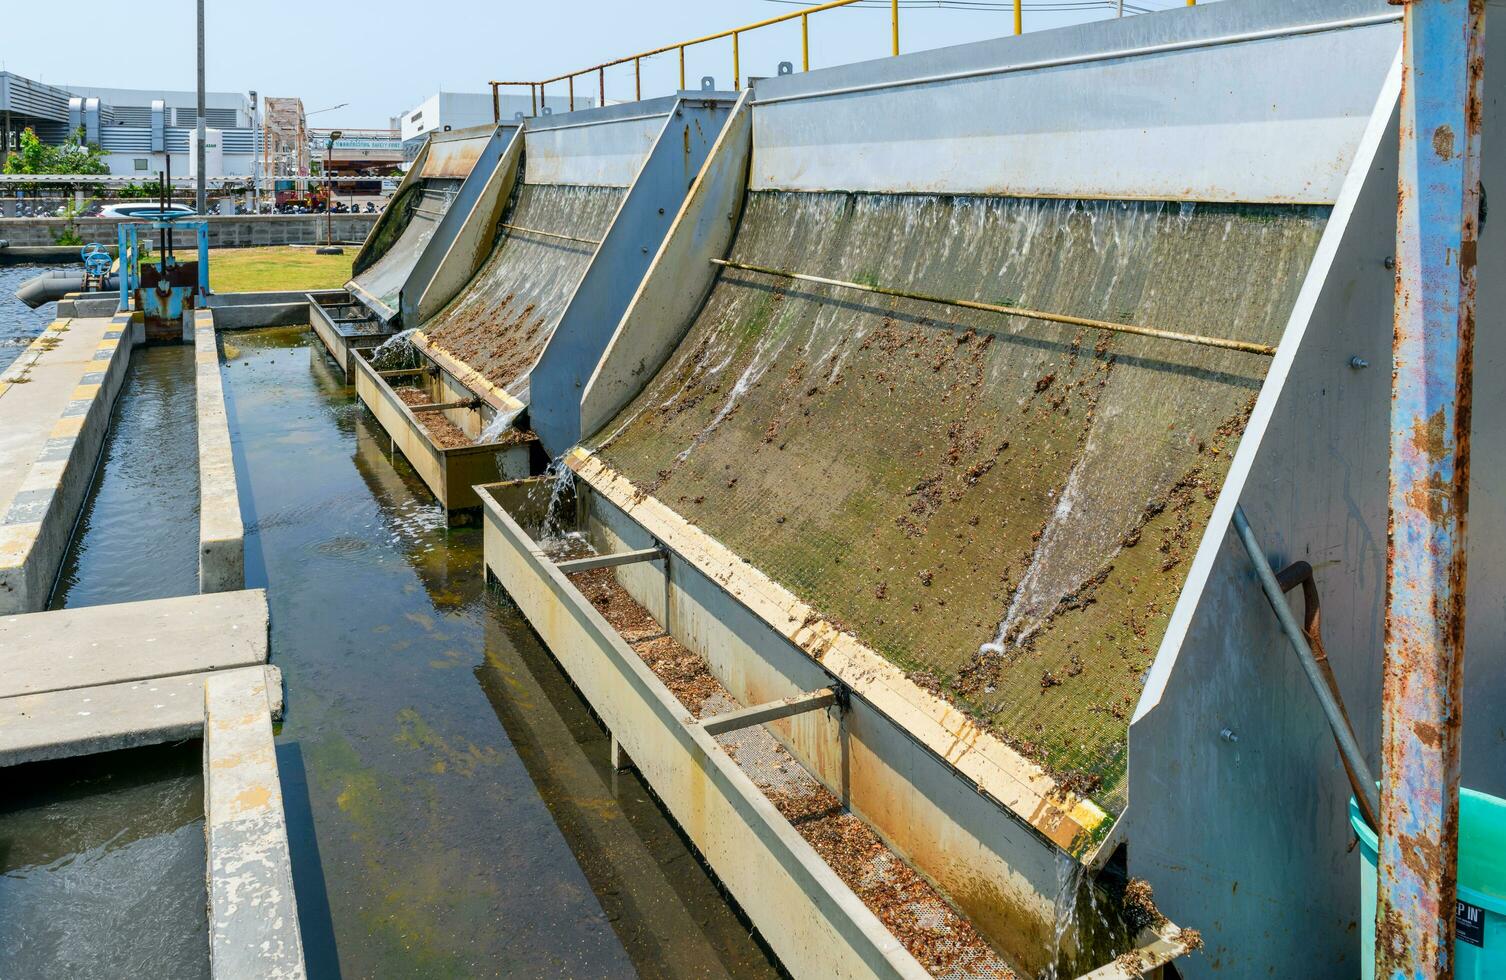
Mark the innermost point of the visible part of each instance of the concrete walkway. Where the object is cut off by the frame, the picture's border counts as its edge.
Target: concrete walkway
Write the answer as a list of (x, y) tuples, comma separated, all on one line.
[(77, 681), (55, 403)]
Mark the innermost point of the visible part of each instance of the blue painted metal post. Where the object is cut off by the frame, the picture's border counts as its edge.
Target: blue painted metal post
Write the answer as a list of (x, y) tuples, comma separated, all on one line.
[(203, 235), (125, 251), (1433, 352)]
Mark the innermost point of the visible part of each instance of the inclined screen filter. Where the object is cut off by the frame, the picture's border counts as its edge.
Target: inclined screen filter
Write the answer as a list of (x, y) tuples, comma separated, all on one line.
[(1002, 506), (501, 322), (423, 207)]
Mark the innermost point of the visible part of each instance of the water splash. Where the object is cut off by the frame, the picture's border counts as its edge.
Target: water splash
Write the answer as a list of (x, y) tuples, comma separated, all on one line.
[(1070, 879), (399, 347), (562, 484), (500, 423)]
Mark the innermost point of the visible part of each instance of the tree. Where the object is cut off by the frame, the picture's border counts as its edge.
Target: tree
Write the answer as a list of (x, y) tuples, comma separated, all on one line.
[(72, 157)]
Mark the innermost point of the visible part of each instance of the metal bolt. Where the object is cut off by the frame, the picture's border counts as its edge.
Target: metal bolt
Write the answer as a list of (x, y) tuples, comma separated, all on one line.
[(1390, 262), (1228, 735), (1358, 363)]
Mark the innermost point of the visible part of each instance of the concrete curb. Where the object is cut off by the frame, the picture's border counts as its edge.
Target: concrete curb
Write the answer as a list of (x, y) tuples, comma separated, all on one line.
[(253, 914), (222, 565)]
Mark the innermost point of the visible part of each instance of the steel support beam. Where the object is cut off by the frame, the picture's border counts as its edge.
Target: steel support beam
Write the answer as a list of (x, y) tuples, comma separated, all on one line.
[(1433, 360), (762, 714), (610, 561)]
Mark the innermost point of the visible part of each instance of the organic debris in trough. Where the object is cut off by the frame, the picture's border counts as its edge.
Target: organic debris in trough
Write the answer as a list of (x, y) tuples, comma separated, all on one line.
[(929, 928)]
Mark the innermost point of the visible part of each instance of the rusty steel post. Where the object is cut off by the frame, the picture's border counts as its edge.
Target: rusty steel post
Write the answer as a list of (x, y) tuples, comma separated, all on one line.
[(496, 105), (1432, 378)]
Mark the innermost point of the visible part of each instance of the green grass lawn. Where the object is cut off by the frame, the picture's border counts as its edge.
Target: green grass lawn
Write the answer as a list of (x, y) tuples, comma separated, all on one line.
[(275, 267)]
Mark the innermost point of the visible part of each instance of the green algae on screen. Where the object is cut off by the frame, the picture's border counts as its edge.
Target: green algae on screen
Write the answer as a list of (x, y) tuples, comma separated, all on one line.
[(424, 842), (1005, 507), (500, 323)]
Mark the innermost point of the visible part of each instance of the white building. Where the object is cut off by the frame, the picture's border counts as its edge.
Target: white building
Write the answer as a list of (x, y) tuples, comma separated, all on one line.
[(444, 111), (137, 128)]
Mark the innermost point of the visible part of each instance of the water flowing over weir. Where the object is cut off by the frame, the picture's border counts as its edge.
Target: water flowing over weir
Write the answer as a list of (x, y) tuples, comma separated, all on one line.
[(1003, 506), (500, 324)]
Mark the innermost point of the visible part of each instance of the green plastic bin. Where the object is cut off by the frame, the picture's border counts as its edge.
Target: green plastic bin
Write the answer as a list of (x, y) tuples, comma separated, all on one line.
[(1480, 947)]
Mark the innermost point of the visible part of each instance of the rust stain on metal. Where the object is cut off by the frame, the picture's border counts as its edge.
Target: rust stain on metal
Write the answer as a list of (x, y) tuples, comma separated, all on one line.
[(1443, 142)]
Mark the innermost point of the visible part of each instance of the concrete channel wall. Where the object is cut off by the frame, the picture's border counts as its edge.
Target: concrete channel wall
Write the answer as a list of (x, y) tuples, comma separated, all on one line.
[(55, 405), (222, 565), (253, 914), (225, 231)]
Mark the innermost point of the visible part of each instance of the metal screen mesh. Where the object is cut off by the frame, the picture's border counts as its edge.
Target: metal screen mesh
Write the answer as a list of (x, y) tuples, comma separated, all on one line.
[(500, 323), (1005, 507)]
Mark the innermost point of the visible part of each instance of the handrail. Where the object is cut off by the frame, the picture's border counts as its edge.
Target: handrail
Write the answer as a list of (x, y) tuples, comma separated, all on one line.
[(536, 88)]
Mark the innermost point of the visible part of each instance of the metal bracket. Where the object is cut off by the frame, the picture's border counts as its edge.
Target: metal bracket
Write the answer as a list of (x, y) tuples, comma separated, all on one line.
[(761, 714), (610, 561), (786, 68), (708, 83)]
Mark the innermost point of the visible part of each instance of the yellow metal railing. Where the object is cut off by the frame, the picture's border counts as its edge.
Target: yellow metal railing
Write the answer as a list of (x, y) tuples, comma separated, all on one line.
[(536, 89)]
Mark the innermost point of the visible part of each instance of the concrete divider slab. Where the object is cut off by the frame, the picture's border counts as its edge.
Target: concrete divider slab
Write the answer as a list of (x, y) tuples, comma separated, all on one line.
[(127, 715), (78, 681), (222, 565), (253, 915)]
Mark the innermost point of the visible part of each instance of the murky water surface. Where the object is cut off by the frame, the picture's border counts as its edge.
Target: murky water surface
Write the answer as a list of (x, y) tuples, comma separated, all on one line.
[(138, 537), (18, 324), (451, 809), (102, 867)]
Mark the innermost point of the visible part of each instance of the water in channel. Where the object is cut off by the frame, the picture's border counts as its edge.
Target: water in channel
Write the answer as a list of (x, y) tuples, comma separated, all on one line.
[(451, 809), (19, 324), (102, 858)]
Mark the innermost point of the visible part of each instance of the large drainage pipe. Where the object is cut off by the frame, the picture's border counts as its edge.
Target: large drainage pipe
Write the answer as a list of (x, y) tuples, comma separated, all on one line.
[(52, 286)]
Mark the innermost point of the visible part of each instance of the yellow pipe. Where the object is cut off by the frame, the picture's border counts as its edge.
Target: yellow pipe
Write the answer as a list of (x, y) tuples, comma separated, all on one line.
[(805, 43), (894, 23), (682, 67), (736, 68), (1019, 19)]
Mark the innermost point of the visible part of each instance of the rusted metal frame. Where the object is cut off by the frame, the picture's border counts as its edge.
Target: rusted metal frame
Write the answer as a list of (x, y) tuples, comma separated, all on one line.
[(637, 83), (1245, 346), (570, 81), (575, 565), (601, 86), (1431, 392), (400, 372), (1300, 573), (496, 103), (1333, 711), (550, 234), (762, 714), (736, 66)]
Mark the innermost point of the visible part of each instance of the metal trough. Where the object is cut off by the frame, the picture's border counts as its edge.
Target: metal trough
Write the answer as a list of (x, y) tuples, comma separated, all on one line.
[(435, 422), (342, 324), (716, 789)]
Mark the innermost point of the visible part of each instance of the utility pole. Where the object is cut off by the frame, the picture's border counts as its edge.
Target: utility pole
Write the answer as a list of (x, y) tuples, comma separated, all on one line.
[(201, 198), (1437, 226)]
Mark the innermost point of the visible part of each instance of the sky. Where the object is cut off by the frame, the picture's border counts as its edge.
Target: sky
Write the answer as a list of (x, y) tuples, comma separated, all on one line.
[(382, 57)]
